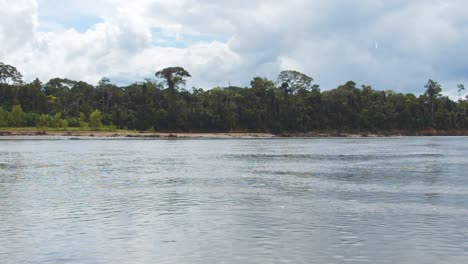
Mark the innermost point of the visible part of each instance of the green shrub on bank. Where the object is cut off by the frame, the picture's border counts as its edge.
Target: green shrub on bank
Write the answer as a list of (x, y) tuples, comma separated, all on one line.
[(112, 127), (29, 119), (55, 121), (58, 121), (73, 121), (95, 120), (3, 117), (83, 123), (43, 121), (16, 117)]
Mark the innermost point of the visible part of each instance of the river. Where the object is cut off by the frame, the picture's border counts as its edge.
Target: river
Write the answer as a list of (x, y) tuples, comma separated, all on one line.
[(367, 200)]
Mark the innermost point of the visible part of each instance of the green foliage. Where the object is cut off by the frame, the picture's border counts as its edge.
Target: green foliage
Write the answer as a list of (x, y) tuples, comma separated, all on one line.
[(433, 90), (82, 121), (294, 81), (111, 127), (3, 117), (173, 77), (95, 119), (16, 117), (291, 103), (73, 121), (43, 121), (9, 74), (55, 121), (29, 119), (461, 88)]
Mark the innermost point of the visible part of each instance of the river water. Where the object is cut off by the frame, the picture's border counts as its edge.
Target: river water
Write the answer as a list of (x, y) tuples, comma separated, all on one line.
[(382, 200)]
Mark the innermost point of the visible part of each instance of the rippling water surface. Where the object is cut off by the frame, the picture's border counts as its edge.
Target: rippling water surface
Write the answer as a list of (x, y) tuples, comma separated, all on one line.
[(391, 200)]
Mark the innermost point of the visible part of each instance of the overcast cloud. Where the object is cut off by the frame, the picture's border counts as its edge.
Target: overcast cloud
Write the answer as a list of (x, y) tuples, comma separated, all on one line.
[(388, 44)]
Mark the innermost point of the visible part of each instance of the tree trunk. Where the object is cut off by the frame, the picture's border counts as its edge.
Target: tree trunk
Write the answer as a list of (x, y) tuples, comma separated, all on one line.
[(172, 118)]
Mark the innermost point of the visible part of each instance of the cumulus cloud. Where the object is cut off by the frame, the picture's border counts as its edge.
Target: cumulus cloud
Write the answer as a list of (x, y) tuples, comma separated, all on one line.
[(390, 45), (18, 20)]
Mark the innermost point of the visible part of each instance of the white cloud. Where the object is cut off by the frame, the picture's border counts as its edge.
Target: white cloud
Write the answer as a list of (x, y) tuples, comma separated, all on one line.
[(221, 41), (18, 21)]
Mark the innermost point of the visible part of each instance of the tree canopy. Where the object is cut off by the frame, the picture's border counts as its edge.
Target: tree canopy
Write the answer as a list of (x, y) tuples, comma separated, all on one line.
[(290, 103), (173, 76), (294, 81), (9, 74)]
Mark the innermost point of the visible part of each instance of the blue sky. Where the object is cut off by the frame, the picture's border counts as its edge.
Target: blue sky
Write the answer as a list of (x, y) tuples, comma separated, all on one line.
[(81, 24), (395, 45)]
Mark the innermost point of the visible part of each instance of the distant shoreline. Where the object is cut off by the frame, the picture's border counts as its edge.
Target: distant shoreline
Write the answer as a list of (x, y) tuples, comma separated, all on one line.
[(28, 134)]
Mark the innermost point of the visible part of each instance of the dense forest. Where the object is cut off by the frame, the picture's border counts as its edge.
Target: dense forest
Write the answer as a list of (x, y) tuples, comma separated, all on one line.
[(290, 103)]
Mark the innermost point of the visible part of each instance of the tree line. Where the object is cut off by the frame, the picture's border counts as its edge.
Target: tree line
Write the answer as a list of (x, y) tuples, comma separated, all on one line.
[(291, 103)]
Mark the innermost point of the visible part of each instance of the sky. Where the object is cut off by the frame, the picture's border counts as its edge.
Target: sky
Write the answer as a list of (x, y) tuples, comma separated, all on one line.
[(396, 44)]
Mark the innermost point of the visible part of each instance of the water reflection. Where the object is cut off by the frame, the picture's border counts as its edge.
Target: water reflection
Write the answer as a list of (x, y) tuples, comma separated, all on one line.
[(234, 201)]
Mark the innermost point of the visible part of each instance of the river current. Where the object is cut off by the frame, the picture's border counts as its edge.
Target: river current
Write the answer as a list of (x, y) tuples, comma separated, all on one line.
[(369, 200)]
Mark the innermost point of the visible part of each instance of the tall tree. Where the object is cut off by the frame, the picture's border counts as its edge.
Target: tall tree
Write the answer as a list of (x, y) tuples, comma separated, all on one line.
[(433, 90), (173, 77), (105, 85), (294, 81), (9, 74), (461, 88)]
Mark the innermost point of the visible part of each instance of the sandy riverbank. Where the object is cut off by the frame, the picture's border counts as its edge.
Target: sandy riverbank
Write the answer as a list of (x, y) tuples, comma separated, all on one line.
[(106, 134), (184, 135)]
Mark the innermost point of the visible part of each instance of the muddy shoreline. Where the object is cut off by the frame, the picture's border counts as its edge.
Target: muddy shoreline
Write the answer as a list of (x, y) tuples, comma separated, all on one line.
[(227, 135)]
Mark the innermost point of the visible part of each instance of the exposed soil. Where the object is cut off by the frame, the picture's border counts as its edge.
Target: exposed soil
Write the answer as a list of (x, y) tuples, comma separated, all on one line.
[(186, 135)]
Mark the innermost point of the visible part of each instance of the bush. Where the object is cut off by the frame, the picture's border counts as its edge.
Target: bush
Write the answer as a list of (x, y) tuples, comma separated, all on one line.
[(16, 116), (29, 119), (3, 117), (95, 119), (57, 121), (73, 122), (112, 127), (83, 123), (43, 121)]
